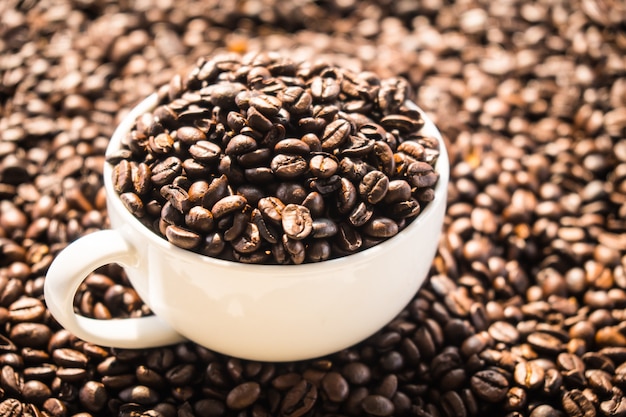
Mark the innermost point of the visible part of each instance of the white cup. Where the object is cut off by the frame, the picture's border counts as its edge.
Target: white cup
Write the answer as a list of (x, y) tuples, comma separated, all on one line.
[(257, 312)]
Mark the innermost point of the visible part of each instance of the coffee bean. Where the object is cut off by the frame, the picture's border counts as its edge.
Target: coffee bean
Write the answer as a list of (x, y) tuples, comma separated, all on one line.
[(374, 186), (69, 358), (30, 334), (489, 385), (54, 407), (35, 392), (11, 407), (335, 387), (243, 396), (296, 221), (139, 394), (26, 309), (238, 145), (122, 176), (615, 406), (199, 219), (165, 171), (299, 399), (133, 204), (290, 193), (529, 375), (323, 165), (576, 404), (377, 405), (181, 237), (381, 227), (10, 380), (335, 134), (228, 204)]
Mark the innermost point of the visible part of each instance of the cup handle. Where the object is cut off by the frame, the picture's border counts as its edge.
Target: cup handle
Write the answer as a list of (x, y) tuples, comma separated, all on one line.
[(67, 272)]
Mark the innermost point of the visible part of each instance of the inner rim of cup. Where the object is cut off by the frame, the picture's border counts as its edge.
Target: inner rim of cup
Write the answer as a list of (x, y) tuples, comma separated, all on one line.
[(442, 166)]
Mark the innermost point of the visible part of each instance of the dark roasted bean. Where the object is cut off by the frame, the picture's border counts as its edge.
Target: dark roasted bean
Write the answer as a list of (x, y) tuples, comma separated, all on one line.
[(374, 187), (181, 237), (489, 385), (296, 221), (243, 396), (299, 399)]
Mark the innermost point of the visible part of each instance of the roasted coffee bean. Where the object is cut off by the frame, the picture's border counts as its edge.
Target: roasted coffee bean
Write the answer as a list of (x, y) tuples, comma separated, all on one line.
[(405, 209), (289, 167), (11, 407), (299, 399), (615, 406), (69, 358), (357, 147), (294, 248), (381, 227), (255, 158), (177, 196), (576, 404), (238, 145), (335, 134), (181, 237), (572, 368), (161, 144), (35, 392), (348, 238), (291, 193), (205, 151), (141, 174), (243, 396), (421, 174), (268, 105), (11, 381), (26, 309), (133, 204), (227, 205), (122, 176), (258, 121), (292, 146), (489, 385), (346, 196), (377, 405), (374, 186), (318, 250), (529, 375), (139, 394), (30, 334), (165, 171), (199, 219), (54, 407), (326, 186), (249, 241), (599, 381), (189, 135), (271, 208), (313, 141), (296, 221), (361, 214), (323, 165)]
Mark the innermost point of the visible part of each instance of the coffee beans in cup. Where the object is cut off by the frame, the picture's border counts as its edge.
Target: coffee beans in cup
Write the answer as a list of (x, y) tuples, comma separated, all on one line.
[(260, 159)]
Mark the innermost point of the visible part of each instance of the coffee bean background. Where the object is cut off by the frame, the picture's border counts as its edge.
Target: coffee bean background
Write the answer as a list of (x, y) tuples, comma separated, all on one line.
[(524, 310)]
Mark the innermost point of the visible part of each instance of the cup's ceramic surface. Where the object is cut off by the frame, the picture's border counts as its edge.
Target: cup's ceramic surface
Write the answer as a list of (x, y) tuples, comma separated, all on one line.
[(258, 312)]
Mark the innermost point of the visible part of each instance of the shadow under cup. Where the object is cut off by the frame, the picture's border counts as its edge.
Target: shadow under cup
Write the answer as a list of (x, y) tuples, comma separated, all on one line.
[(258, 312)]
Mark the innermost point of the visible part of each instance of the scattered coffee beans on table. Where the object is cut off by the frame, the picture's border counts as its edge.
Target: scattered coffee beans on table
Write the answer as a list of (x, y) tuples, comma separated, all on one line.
[(264, 160), (523, 313)]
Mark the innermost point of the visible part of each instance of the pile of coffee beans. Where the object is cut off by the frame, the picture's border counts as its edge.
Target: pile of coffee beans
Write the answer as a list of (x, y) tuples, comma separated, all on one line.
[(523, 312), (264, 160)]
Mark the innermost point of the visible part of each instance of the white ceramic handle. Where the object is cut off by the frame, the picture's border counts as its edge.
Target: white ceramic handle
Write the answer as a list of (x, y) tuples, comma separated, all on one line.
[(67, 272)]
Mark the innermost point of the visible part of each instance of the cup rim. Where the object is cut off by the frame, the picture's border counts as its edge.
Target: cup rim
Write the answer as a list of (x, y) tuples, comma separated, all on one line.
[(442, 166)]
